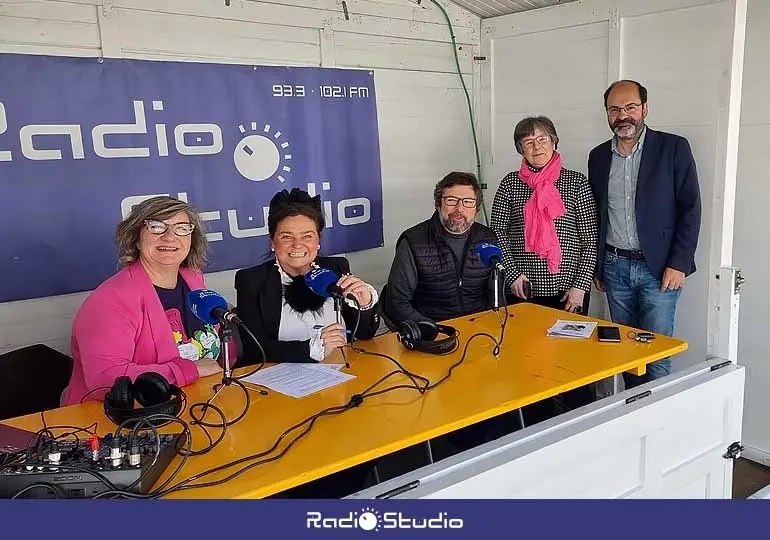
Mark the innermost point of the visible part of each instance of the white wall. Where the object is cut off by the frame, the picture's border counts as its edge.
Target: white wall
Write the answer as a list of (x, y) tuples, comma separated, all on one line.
[(568, 91), (423, 118), (558, 62), (752, 221)]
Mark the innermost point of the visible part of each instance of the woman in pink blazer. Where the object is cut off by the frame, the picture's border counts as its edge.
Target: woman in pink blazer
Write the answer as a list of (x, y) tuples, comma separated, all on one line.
[(139, 319)]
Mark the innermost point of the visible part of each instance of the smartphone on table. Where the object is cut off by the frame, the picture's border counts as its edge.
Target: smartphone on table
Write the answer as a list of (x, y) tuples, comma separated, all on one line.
[(608, 333)]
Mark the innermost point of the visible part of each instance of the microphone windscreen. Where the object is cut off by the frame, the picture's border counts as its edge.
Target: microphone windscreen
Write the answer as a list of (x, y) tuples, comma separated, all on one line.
[(489, 253), (321, 281), (203, 302)]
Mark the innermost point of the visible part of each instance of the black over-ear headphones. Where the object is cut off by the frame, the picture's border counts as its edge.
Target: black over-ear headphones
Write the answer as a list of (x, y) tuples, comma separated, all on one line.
[(152, 391), (421, 336)]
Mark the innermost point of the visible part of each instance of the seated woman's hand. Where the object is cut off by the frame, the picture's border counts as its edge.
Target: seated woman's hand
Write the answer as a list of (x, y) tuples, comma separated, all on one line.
[(207, 366), (357, 287), (332, 337)]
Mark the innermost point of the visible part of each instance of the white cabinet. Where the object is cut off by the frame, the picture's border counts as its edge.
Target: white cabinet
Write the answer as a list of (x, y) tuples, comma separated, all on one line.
[(666, 439)]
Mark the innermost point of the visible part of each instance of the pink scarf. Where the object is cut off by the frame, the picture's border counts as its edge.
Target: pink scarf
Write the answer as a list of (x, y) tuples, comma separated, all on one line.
[(541, 209)]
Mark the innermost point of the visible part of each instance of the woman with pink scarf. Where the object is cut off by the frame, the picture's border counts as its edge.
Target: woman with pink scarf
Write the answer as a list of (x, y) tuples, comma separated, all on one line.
[(545, 218)]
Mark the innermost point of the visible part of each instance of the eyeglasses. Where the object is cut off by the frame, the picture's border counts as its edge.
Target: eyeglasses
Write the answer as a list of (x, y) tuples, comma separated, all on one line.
[(467, 203), (159, 227), (541, 140), (631, 108)]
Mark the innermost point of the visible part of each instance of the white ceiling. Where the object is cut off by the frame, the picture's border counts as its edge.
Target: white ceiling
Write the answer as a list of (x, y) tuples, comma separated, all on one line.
[(493, 8)]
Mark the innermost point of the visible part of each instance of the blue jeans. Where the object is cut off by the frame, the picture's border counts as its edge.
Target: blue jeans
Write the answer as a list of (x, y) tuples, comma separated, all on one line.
[(636, 300)]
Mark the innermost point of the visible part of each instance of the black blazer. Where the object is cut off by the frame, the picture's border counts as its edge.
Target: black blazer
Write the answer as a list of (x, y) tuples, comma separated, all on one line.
[(668, 205), (260, 299)]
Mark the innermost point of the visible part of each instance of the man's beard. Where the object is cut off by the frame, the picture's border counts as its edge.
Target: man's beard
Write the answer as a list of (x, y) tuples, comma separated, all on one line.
[(627, 128), (459, 225)]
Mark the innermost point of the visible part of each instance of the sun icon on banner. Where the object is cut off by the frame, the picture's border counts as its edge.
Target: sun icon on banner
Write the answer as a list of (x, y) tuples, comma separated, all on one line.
[(261, 154), (369, 520)]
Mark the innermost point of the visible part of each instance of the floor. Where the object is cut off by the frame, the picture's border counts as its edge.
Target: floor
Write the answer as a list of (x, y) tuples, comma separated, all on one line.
[(748, 478)]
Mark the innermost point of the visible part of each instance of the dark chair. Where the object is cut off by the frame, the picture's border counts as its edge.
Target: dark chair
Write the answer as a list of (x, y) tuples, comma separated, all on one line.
[(32, 380)]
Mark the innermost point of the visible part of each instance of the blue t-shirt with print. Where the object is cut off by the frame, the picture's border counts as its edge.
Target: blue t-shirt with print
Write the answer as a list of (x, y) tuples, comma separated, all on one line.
[(194, 338)]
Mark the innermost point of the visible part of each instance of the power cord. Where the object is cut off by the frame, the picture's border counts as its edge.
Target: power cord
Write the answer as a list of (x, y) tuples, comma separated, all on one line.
[(468, 101), (269, 455), (185, 453), (418, 382), (45, 439)]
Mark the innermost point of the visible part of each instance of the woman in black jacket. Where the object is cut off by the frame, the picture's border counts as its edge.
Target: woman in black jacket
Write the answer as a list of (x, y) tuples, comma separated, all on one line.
[(292, 323)]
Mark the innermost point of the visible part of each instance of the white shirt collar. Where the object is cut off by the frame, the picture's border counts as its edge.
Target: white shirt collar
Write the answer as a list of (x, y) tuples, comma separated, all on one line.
[(286, 279)]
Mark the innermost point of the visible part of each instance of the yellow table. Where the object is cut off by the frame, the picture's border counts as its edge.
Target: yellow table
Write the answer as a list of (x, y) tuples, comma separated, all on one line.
[(530, 367)]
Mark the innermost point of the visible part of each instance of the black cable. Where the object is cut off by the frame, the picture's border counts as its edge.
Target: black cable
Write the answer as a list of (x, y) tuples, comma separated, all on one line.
[(412, 376), (131, 440), (57, 490), (468, 101), (310, 420), (205, 406), (91, 430), (36, 447), (261, 350), (204, 425), (355, 401), (47, 430), (188, 442), (188, 451), (503, 324), (92, 391), (262, 457), (197, 420), (12, 459)]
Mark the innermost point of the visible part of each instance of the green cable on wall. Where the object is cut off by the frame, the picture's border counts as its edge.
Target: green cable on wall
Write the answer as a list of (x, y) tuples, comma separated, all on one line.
[(468, 100)]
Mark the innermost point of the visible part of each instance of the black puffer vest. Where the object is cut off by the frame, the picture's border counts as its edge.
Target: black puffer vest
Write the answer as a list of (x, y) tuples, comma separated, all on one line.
[(448, 288)]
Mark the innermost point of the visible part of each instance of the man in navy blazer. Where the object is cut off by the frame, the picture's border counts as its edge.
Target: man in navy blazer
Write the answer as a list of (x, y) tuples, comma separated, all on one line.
[(646, 188)]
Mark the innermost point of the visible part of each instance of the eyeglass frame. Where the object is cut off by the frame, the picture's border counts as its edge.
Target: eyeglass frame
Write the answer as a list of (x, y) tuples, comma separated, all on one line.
[(167, 226), (542, 140), (617, 110), (458, 199)]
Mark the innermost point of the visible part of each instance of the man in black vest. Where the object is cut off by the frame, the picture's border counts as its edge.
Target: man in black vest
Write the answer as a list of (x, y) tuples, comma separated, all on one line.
[(437, 274)]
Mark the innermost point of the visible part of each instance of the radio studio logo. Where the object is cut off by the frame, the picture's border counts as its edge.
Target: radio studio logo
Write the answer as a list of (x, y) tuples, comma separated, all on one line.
[(371, 519), (261, 153)]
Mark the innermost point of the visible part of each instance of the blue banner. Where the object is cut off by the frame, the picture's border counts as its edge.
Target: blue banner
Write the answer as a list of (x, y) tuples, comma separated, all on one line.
[(82, 140), (341, 520)]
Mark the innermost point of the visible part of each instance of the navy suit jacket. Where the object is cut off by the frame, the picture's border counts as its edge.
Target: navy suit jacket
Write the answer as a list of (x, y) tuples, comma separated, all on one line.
[(668, 205)]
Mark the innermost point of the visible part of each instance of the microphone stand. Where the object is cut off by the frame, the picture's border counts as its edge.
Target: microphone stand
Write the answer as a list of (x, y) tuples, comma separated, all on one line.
[(338, 309), (225, 336), (338, 313), (498, 271)]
